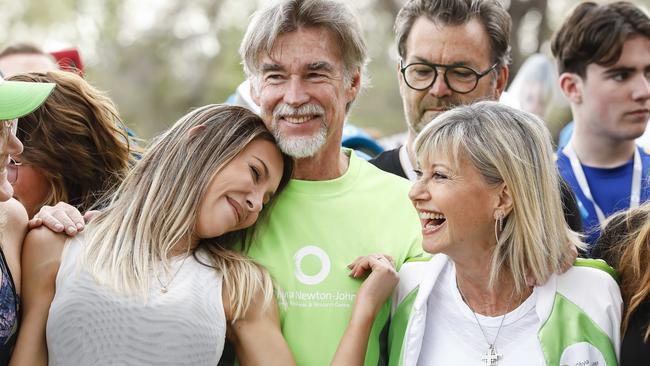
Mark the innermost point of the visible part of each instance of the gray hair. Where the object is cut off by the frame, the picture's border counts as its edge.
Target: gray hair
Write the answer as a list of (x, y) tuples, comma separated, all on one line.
[(509, 146), (490, 13), (288, 16)]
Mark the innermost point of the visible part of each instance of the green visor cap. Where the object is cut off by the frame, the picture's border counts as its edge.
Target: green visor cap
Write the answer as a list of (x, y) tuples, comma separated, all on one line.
[(18, 98)]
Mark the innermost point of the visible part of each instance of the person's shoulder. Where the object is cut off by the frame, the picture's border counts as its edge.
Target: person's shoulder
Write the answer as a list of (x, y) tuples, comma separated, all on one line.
[(14, 225), (385, 157), (588, 279), (595, 267), (43, 246), (42, 235), (590, 288), (15, 214)]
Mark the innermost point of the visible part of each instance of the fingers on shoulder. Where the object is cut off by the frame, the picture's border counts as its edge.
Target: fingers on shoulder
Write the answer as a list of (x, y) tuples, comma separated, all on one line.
[(60, 217)]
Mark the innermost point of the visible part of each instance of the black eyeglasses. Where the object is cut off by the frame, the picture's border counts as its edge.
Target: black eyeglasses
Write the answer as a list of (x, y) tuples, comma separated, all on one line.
[(461, 79)]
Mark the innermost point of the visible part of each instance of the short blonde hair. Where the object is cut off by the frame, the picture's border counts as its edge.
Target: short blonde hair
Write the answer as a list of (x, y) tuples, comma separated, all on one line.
[(513, 147)]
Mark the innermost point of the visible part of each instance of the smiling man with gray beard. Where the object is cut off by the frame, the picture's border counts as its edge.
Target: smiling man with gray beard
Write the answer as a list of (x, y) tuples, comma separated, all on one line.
[(305, 61), (298, 146)]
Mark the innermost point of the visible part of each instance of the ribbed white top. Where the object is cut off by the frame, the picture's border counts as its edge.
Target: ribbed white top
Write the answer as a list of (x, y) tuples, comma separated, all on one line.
[(90, 324)]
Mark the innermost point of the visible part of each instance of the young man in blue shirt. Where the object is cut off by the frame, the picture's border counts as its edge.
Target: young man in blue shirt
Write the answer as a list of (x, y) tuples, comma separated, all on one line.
[(603, 55)]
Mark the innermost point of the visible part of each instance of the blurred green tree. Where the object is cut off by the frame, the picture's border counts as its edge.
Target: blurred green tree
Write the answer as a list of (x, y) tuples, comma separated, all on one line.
[(158, 59)]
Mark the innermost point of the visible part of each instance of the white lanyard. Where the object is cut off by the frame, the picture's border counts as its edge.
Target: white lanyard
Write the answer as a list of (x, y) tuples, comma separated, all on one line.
[(405, 161), (578, 172)]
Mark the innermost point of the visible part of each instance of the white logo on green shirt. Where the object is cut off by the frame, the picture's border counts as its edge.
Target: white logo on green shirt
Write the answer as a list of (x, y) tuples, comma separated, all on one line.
[(322, 257)]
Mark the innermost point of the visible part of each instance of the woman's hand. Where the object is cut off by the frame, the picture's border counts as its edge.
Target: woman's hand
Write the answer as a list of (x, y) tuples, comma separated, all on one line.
[(375, 289), (372, 294), (62, 217)]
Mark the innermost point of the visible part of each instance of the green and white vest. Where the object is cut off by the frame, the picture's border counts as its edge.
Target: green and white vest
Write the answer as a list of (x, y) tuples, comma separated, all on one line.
[(579, 312)]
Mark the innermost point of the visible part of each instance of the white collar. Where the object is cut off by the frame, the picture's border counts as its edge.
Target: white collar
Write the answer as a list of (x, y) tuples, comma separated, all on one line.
[(405, 162)]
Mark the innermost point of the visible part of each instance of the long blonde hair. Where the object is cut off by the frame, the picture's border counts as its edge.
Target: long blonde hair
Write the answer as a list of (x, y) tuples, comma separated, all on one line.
[(513, 147), (625, 244), (156, 207)]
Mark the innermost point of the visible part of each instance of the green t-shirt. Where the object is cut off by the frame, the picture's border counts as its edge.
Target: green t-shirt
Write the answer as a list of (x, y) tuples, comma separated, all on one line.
[(313, 231)]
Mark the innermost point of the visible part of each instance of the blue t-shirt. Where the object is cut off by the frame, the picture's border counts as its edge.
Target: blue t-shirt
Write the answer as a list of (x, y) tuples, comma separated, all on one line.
[(611, 188)]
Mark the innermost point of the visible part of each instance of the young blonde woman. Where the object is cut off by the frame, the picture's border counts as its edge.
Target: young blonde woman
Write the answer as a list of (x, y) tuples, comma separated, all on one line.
[(152, 280), (16, 99), (625, 244)]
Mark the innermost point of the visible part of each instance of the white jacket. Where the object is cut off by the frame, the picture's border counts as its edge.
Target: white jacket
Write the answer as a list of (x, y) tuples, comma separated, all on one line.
[(579, 312)]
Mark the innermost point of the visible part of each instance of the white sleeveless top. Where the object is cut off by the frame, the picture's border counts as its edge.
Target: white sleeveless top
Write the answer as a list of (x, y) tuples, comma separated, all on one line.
[(90, 324)]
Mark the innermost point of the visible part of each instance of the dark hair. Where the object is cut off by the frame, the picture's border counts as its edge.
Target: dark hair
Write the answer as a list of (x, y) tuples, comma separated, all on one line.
[(596, 33), (76, 140), (490, 13), (23, 48)]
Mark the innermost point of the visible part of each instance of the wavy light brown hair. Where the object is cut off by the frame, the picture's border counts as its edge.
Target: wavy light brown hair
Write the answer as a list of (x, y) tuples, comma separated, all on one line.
[(625, 244), (76, 139)]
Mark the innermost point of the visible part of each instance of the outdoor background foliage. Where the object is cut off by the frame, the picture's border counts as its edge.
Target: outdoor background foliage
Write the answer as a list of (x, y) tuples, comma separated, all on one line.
[(158, 59)]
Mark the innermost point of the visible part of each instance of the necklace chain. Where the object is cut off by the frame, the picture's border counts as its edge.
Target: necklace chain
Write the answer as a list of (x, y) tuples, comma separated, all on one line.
[(164, 287), (491, 357)]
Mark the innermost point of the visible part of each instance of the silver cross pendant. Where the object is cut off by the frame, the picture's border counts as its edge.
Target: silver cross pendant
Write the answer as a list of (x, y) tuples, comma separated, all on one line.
[(491, 357)]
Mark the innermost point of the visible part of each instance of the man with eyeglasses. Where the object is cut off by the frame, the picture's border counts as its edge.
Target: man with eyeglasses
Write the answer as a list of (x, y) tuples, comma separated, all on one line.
[(452, 52)]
